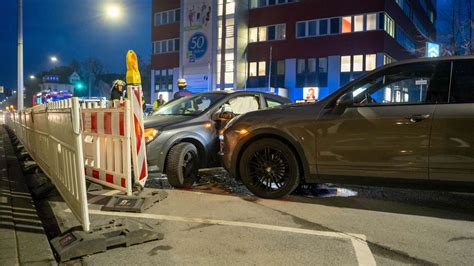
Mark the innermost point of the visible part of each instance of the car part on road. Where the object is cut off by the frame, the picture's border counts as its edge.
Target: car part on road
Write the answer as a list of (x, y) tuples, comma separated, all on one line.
[(269, 169), (76, 244), (137, 203), (182, 165)]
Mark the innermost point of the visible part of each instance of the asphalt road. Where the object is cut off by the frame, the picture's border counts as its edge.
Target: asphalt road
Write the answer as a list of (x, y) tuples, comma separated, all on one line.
[(220, 222)]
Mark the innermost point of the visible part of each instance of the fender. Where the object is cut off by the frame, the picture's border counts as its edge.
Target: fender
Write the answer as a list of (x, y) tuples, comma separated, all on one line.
[(308, 175)]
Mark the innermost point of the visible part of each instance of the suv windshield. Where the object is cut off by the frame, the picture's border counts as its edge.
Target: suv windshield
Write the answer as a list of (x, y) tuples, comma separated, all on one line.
[(190, 105)]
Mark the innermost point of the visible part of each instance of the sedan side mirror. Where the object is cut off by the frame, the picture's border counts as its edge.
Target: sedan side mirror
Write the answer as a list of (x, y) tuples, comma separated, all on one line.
[(223, 116), (345, 101)]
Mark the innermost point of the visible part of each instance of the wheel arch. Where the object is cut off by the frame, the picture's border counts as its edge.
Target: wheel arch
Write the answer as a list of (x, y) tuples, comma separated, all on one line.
[(273, 134), (201, 148)]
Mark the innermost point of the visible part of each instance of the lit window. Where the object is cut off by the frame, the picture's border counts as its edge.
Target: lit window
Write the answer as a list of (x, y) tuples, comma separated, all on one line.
[(371, 21), (230, 9), (229, 66), (253, 69), (229, 78), (229, 56), (346, 24), (253, 34), (358, 23), (229, 43), (262, 34), (262, 68), (346, 63), (358, 63), (370, 62), (389, 26)]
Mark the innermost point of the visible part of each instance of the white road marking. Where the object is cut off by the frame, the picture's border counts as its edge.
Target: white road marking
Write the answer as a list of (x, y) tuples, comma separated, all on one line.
[(362, 251)]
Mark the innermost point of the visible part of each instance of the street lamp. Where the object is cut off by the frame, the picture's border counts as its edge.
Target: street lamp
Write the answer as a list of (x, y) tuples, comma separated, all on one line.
[(53, 59), (32, 77), (113, 11)]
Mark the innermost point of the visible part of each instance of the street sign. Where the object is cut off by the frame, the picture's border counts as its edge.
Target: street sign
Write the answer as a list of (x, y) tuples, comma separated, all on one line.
[(432, 49)]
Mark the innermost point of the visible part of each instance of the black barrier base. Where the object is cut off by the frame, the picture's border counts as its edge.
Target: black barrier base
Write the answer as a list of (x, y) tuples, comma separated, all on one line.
[(140, 203), (76, 244)]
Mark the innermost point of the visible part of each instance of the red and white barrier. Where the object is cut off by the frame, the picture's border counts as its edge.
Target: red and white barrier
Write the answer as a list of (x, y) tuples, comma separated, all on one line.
[(107, 145), (138, 139)]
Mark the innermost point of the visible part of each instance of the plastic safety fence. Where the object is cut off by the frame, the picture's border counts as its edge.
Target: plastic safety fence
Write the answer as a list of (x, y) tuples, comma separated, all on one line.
[(51, 133), (107, 144), (139, 159)]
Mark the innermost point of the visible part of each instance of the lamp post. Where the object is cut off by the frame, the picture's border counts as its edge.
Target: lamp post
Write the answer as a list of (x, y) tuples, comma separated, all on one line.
[(20, 56)]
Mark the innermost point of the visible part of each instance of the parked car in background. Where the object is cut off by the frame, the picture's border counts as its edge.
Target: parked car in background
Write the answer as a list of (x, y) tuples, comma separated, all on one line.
[(182, 136), (407, 124)]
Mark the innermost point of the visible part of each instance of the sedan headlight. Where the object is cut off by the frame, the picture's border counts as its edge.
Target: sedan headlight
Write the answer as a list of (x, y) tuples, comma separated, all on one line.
[(150, 134)]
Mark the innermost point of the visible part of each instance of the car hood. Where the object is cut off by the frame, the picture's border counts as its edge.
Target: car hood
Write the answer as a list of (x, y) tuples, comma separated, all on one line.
[(162, 121)]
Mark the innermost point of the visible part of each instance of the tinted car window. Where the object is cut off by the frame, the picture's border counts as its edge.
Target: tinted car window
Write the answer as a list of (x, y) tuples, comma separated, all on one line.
[(406, 84), (191, 105), (462, 86)]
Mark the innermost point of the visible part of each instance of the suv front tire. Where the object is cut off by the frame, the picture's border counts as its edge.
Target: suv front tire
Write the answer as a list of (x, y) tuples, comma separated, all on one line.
[(269, 169)]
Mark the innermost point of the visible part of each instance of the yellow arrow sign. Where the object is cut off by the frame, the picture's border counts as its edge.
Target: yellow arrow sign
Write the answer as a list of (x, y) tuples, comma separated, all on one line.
[(133, 74)]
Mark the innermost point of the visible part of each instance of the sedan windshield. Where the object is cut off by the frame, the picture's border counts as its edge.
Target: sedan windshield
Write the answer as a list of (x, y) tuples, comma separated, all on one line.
[(190, 105)]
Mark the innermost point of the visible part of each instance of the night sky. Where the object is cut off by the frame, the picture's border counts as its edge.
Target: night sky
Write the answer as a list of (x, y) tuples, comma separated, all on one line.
[(72, 29)]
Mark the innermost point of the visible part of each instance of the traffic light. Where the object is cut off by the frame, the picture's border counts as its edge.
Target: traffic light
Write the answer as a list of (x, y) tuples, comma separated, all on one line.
[(79, 86)]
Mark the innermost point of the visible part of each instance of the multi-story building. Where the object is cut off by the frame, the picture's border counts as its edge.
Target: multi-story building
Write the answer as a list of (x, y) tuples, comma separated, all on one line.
[(288, 47)]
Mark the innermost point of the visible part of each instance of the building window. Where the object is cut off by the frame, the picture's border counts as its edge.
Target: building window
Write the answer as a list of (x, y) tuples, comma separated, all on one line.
[(389, 26), (358, 23), (335, 25), (370, 62), (312, 72), (164, 80), (371, 21), (166, 46), (262, 34), (266, 3), (323, 27), (346, 24), (301, 29), (253, 34), (262, 68), (167, 17), (267, 33), (346, 63), (358, 65), (387, 59), (253, 69)]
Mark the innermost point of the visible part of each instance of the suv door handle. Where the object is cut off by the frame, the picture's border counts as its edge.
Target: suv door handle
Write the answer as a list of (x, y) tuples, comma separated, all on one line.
[(418, 118)]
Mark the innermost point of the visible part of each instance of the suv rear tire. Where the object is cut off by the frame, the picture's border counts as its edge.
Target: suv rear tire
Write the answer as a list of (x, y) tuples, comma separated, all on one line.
[(182, 165), (269, 169)]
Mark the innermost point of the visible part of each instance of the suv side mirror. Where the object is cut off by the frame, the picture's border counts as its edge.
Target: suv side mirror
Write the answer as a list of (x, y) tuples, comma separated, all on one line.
[(345, 101)]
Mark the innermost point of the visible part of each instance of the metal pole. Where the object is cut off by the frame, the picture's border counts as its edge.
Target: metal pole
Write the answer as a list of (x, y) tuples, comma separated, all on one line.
[(20, 56), (223, 48), (270, 68)]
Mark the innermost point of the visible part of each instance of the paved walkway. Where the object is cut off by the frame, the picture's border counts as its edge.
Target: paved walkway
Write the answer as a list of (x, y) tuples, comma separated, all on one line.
[(22, 237)]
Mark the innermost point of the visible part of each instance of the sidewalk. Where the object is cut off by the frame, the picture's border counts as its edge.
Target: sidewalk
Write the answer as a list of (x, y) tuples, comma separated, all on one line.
[(22, 237)]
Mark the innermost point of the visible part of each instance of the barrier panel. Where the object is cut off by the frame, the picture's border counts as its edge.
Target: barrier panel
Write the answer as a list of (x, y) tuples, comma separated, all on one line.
[(51, 133), (139, 160), (107, 144)]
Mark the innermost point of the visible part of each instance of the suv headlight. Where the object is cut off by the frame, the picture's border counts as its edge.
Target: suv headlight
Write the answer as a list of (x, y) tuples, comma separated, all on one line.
[(150, 134)]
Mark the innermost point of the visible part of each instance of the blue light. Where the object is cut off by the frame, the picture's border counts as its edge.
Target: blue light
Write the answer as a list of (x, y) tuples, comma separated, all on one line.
[(432, 49)]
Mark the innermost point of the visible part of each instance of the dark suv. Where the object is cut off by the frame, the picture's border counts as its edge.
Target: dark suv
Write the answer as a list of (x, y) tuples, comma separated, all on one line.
[(182, 136), (410, 123)]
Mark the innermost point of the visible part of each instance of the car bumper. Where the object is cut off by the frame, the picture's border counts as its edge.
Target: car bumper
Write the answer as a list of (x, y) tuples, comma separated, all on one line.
[(155, 154)]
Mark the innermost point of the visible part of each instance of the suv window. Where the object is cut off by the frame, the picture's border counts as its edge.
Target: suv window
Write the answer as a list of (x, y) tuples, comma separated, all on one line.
[(462, 86), (406, 84), (241, 104)]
